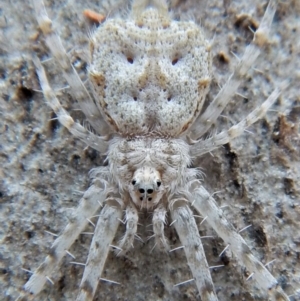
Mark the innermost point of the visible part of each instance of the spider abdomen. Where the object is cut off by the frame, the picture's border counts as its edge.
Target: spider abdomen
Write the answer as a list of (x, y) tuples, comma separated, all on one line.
[(146, 80)]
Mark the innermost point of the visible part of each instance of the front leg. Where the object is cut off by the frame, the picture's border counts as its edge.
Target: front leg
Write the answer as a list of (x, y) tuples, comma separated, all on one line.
[(205, 204), (131, 220), (104, 234), (89, 204), (159, 220), (185, 225)]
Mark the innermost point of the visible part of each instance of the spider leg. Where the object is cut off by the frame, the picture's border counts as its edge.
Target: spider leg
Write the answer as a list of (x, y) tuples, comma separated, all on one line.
[(131, 219), (159, 220), (205, 204), (89, 204), (92, 140), (104, 234), (187, 230), (213, 111), (78, 89), (204, 146), (138, 6)]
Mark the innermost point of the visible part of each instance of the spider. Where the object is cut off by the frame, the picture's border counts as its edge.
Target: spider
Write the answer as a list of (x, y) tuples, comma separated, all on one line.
[(150, 76)]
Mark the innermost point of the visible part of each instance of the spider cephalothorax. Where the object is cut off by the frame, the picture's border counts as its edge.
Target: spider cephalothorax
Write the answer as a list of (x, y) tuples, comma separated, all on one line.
[(150, 75), (149, 168)]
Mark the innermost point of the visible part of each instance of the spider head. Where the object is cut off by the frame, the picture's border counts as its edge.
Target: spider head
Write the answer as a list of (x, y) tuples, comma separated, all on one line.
[(146, 188)]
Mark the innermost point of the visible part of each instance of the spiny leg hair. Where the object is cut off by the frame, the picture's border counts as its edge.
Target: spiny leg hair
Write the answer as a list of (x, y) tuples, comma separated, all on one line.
[(89, 204), (205, 204), (204, 146), (252, 51), (185, 225), (104, 234), (131, 220), (75, 128), (159, 221)]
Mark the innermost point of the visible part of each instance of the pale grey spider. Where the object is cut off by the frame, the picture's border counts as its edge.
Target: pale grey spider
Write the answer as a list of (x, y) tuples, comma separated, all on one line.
[(150, 76)]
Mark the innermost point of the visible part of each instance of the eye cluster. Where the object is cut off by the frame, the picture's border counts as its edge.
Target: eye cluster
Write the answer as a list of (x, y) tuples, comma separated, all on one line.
[(145, 193)]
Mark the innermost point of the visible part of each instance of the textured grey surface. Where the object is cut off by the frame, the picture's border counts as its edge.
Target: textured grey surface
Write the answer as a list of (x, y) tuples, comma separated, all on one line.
[(43, 169)]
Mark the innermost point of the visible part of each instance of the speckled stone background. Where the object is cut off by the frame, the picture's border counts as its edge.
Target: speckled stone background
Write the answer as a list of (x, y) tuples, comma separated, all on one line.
[(43, 170)]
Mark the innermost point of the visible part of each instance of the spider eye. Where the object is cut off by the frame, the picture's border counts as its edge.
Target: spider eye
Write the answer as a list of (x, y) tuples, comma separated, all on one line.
[(175, 61), (133, 182), (158, 183), (130, 60)]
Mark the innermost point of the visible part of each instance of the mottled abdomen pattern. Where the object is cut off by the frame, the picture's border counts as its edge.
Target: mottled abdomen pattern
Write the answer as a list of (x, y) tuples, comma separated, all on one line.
[(150, 75)]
